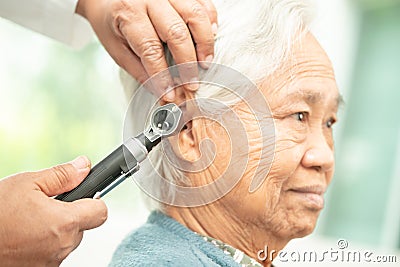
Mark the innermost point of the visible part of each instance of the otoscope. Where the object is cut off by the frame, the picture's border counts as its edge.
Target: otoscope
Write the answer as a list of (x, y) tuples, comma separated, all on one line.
[(124, 161)]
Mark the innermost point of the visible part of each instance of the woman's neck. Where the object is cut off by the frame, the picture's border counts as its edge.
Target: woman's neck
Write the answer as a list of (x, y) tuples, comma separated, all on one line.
[(256, 242)]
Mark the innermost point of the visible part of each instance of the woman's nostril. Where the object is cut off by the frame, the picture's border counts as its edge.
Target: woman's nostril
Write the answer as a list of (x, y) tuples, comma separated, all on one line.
[(318, 168)]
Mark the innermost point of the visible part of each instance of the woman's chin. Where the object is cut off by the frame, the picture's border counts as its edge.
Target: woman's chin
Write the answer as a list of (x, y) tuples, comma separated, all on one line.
[(305, 225), (299, 225)]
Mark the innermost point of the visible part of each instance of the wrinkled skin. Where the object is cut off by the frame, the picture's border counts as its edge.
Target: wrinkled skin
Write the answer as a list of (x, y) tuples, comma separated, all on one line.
[(303, 99)]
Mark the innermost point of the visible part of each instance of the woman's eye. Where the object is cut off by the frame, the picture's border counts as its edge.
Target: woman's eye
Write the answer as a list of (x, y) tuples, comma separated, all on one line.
[(300, 116), (330, 122)]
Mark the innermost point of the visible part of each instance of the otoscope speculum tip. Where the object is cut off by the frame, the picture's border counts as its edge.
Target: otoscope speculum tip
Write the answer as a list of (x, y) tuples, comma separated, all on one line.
[(164, 122)]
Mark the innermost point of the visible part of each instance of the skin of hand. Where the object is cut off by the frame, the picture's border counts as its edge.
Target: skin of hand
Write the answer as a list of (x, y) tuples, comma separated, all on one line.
[(133, 33), (37, 230)]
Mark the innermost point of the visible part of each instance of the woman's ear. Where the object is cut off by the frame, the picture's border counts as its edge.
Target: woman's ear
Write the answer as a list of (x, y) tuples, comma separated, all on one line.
[(185, 144)]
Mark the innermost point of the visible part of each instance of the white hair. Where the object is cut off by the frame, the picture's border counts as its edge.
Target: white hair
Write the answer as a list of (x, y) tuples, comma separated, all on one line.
[(254, 37)]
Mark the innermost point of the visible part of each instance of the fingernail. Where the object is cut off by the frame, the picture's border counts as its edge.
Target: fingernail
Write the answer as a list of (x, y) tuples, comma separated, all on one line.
[(193, 85), (169, 95), (207, 61), (214, 28), (80, 163)]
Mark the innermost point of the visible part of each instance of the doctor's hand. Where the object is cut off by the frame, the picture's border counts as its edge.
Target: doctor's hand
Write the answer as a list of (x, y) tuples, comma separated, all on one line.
[(37, 230), (133, 33)]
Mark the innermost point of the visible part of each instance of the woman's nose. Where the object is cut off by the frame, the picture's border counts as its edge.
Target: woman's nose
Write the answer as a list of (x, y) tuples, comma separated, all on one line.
[(319, 155)]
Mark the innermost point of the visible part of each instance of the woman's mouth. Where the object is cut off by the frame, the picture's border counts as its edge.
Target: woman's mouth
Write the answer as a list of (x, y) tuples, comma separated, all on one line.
[(313, 195)]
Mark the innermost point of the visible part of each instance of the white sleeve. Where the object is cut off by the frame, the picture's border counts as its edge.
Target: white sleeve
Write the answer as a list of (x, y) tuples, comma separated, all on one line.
[(54, 18)]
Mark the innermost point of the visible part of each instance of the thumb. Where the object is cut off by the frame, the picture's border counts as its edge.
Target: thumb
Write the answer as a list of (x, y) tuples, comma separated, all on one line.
[(90, 213), (63, 177)]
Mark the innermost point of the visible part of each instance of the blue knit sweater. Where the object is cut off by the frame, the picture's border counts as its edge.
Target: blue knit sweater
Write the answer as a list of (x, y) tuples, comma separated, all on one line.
[(162, 241)]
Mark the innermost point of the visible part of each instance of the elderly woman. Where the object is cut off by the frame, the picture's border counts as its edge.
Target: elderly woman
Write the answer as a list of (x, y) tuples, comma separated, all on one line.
[(269, 42)]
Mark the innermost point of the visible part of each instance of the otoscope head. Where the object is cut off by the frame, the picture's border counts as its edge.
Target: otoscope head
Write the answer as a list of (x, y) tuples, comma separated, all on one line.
[(166, 119), (164, 122)]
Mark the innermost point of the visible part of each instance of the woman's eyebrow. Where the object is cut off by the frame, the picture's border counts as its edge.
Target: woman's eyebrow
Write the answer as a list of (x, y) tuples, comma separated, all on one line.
[(309, 96), (312, 97)]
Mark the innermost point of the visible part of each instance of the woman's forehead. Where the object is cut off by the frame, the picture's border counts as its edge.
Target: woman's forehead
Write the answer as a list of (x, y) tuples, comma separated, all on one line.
[(306, 75), (311, 90)]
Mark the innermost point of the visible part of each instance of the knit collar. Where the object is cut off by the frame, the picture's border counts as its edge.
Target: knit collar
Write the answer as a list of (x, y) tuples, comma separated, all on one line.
[(214, 250), (238, 256), (215, 254)]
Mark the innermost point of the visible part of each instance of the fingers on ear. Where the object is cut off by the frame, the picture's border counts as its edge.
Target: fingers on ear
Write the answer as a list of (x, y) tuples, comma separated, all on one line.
[(181, 94)]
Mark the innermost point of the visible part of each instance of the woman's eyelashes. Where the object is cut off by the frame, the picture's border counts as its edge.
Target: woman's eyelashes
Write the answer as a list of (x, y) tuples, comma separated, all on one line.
[(304, 117), (301, 116), (330, 122)]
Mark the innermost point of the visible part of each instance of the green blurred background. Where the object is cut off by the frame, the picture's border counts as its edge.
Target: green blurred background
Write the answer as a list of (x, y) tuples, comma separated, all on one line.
[(57, 103), (365, 198)]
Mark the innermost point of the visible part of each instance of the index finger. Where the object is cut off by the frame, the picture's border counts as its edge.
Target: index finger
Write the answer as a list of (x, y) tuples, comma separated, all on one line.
[(172, 29), (145, 43), (195, 15)]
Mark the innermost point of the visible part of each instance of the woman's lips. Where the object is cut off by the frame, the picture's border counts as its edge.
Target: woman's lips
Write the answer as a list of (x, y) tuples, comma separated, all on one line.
[(313, 195)]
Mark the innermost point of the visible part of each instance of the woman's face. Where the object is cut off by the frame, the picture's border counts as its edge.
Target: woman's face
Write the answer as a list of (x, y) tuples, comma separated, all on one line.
[(303, 99)]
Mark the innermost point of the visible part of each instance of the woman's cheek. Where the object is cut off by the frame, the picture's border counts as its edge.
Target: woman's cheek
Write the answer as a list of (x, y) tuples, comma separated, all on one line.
[(290, 131), (289, 151)]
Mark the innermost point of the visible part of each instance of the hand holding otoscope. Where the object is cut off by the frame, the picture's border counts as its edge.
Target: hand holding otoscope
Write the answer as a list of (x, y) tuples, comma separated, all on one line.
[(124, 161)]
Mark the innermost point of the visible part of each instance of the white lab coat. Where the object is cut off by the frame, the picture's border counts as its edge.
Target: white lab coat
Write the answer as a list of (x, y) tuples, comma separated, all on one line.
[(54, 18)]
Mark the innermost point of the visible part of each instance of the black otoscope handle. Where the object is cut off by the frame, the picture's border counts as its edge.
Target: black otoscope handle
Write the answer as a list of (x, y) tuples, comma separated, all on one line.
[(123, 162), (102, 174)]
